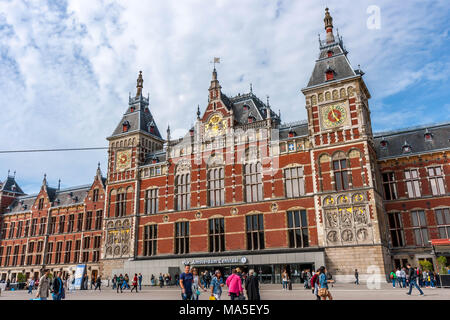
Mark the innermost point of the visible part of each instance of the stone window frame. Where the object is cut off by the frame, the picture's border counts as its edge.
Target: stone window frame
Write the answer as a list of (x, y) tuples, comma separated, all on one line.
[(436, 179), (341, 158), (391, 184), (150, 240), (216, 236), (419, 227), (396, 228), (413, 182), (301, 191), (181, 237), (253, 230), (216, 186), (445, 212), (151, 200), (290, 213), (182, 192)]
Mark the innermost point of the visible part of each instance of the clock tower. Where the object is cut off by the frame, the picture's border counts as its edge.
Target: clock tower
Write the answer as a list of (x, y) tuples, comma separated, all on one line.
[(347, 190), (132, 144)]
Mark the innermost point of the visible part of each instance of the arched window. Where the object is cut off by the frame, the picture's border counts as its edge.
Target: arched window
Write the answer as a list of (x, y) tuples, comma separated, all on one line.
[(121, 202), (253, 182), (216, 187), (340, 169), (183, 191)]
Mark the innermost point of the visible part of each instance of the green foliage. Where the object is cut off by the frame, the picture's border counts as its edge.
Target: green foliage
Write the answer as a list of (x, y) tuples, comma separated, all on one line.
[(21, 278), (426, 265), (442, 263)]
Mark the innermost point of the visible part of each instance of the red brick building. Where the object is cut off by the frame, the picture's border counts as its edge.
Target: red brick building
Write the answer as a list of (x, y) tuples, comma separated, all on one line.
[(243, 188)]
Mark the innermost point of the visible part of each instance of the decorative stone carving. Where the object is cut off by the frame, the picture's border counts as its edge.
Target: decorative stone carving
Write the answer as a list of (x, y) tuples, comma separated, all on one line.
[(347, 235), (342, 199), (362, 234), (274, 207), (117, 250), (360, 215), (357, 197), (350, 91), (183, 166), (328, 201), (198, 215), (313, 100), (118, 224), (332, 218), (125, 250), (166, 218), (332, 236), (335, 95), (343, 93), (109, 251), (345, 216), (234, 211), (126, 224), (110, 225), (320, 97), (327, 96)]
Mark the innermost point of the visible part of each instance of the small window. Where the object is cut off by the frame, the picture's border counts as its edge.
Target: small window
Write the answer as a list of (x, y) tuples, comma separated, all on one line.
[(329, 75), (383, 143), (330, 53)]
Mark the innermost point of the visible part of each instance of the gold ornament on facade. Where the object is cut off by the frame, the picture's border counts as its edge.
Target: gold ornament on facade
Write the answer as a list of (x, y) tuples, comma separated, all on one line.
[(234, 211), (274, 207)]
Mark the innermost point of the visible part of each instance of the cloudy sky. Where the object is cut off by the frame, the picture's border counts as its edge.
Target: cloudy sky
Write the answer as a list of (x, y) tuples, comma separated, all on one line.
[(67, 67)]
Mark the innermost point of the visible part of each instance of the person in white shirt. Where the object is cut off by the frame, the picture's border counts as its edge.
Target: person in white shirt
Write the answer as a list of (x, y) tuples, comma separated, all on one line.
[(398, 273)]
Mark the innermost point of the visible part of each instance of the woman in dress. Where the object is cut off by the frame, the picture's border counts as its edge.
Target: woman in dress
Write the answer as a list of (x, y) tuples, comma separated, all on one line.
[(196, 284)]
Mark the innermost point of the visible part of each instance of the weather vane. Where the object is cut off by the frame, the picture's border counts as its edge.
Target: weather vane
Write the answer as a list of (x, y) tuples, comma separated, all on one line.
[(215, 60)]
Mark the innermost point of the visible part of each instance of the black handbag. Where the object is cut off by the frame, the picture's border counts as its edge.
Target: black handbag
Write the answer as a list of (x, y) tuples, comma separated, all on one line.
[(241, 296)]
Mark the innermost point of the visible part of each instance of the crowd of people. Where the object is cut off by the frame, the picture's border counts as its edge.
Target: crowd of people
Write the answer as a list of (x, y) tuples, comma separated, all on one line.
[(408, 277)]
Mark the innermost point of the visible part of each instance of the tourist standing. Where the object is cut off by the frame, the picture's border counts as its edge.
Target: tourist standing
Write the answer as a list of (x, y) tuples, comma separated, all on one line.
[(330, 278), (30, 285), (403, 277), (356, 276), (252, 286), (315, 284), (207, 279), (431, 277), (161, 280), (285, 279), (120, 283), (58, 287), (98, 283), (186, 279), (393, 276), (398, 275), (135, 283), (152, 280), (196, 284), (216, 285), (307, 276), (44, 286), (324, 293), (114, 282), (425, 278), (412, 280), (177, 279), (234, 285), (140, 281)]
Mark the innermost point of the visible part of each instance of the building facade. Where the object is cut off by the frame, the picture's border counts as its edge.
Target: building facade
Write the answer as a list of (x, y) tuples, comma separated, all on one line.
[(242, 188)]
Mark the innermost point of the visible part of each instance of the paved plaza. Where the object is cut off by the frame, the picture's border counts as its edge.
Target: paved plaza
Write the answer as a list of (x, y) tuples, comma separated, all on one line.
[(268, 292)]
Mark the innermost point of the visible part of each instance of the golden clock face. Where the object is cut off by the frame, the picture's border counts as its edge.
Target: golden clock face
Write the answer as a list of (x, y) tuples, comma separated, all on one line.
[(123, 160), (216, 125), (334, 115)]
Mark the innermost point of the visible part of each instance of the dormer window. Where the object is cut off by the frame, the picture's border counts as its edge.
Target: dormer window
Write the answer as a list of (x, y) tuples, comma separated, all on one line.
[(191, 132), (151, 128), (406, 148), (132, 109), (329, 75), (383, 143), (251, 119), (330, 53), (154, 159), (125, 126), (291, 133), (428, 135), (246, 107), (147, 110)]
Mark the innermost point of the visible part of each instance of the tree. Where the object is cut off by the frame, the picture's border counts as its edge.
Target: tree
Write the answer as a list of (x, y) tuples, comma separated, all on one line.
[(442, 263), (21, 277), (426, 265)]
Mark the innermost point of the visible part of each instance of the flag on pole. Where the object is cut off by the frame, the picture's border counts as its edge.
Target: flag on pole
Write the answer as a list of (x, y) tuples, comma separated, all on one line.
[(216, 60)]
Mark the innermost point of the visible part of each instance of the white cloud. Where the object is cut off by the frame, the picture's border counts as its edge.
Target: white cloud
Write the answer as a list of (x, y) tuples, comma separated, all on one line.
[(67, 69)]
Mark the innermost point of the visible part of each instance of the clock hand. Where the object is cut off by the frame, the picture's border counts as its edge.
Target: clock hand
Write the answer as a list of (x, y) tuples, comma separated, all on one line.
[(336, 118)]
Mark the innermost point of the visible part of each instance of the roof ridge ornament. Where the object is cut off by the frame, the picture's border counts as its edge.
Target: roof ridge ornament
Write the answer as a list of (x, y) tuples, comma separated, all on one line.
[(328, 20), (139, 85)]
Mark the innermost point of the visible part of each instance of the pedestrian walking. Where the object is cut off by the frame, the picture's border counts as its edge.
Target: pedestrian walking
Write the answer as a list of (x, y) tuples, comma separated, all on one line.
[(216, 285), (120, 283), (30, 285), (126, 281), (177, 279), (196, 284), (140, 281), (161, 280), (186, 279), (114, 281), (135, 283), (152, 280), (234, 285), (252, 286), (412, 280), (324, 291), (58, 287), (307, 276), (44, 286), (330, 278), (92, 282), (207, 279), (98, 283), (356, 276), (315, 284), (285, 279)]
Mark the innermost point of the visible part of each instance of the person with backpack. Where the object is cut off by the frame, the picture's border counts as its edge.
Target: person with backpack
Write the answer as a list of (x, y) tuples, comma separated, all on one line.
[(315, 284), (324, 293), (126, 280), (393, 277), (58, 287), (120, 283), (412, 280), (161, 280)]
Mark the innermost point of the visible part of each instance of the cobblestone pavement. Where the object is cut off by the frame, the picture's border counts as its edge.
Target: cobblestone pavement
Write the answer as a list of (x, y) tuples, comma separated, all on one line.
[(268, 292)]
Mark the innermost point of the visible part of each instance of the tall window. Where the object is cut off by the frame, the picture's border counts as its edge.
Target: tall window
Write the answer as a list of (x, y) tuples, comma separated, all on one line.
[(253, 182), (95, 197), (443, 222), (48, 258), (389, 186), (4, 229), (396, 229), (33, 226), (40, 247), (1, 255), (98, 219), (86, 246), (297, 229), (15, 255), (71, 223), (151, 201), (294, 182), (150, 236), (27, 228), (182, 237), (52, 225), (11, 230), (216, 187), (183, 191), (8, 255), (80, 221), (43, 223), (76, 256), (62, 222), (30, 253), (340, 174), (68, 248), (19, 229), (216, 235), (419, 224), (255, 232), (59, 245), (121, 204), (412, 183), (22, 256), (96, 252), (88, 225), (436, 181), (41, 204)]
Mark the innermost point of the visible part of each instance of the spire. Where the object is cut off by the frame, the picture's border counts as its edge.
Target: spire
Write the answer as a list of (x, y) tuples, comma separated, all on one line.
[(44, 181), (168, 133), (328, 20), (214, 88), (251, 88), (99, 172), (198, 111), (139, 85), (59, 184)]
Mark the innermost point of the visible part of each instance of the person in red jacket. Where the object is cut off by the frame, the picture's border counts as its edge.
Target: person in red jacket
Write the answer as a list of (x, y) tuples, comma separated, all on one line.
[(315, 284), (135, 283)]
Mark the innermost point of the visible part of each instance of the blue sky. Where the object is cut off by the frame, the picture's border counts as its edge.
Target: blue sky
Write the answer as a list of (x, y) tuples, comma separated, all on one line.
[(67, 67)]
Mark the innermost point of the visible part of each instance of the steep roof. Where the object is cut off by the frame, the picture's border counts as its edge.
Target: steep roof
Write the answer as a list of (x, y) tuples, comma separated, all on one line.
[(10, 185), (390, 144), (256, 108)]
